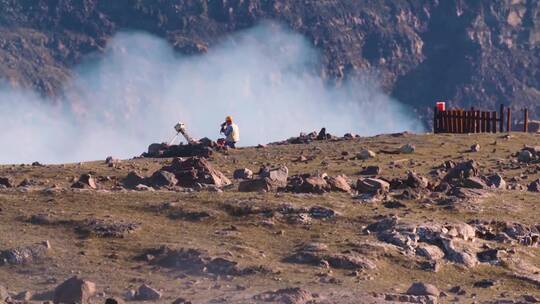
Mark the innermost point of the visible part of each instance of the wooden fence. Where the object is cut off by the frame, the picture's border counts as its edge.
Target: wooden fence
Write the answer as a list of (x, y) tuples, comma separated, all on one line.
[(475, 121)]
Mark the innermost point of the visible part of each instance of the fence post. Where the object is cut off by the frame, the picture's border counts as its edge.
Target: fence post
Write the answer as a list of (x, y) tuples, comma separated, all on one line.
[(478, 121), (525, 120), (494, 122), (508, 120), (501, 118), (435, 112), (488, 122)]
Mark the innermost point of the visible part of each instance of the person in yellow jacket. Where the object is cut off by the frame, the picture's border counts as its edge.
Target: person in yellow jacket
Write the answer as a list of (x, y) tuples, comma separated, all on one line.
[(231, 131)]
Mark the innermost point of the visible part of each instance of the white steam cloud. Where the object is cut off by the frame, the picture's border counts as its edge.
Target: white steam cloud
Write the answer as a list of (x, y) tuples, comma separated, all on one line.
[(265, 77)]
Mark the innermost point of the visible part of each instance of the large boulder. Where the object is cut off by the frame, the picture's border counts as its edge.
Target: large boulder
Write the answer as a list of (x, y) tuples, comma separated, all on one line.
[(162, 178), (372, 185), (196, 170), (74, 290), (475, 182)]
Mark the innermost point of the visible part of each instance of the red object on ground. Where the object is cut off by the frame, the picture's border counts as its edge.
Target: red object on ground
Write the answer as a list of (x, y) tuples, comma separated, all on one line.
[(441, 106)]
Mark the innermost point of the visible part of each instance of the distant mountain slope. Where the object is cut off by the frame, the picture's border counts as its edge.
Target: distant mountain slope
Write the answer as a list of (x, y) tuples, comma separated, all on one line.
[(479, 53)]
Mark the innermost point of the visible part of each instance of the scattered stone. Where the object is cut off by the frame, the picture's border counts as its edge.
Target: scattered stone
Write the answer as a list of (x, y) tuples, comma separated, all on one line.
[(196, 170), (365, 154), (475, 182), (244, 173), (162, 178), (371, 170), (372, 185), (407, 149), (307, 183), (531, 298), (74, 290), (287, 295), (147, 293), (24, 296), (85, 181), (463, 170), (269, 180), (106, 228), (132, 180), (25, 255), (423, 289), (431, 252), (142, 187), (496, 181), (6, 182), (485, 283), (534, 186), (111, 161), (525, 156), (339, 183), (318, 212), (3, 293), (114, 300), (475, 148), (317, 254), (403, 298), (416, 181), (181, 301)]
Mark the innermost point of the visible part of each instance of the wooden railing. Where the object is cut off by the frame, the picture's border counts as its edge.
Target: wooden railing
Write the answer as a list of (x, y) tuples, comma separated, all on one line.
[(475, 121)]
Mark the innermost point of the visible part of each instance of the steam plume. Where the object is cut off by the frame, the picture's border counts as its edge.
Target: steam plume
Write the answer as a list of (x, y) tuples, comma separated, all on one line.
[(265, 77)]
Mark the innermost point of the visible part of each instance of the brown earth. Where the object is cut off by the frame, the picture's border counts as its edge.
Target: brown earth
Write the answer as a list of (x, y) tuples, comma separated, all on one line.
[(229, 246)]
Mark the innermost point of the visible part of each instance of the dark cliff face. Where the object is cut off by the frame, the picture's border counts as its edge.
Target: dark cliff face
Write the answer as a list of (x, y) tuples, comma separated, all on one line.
[(480, 53)]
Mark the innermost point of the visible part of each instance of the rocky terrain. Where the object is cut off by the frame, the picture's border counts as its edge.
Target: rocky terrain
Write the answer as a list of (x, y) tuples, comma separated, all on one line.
[(479, 53), (398, 218)]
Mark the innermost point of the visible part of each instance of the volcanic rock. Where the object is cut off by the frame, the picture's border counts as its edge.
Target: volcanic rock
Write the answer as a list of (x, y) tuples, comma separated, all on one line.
[(475, 183), (132, 180), (463, 170), (196, 170), (431, 252), (269, 180), (6, 182), (407, 149), (416, 181), (339, 183), (371, 170), (285, 296), (162, 178), (372, 185), (106, 228), (475, 148), (365, 154), (308, 184), (244, 173), (423, 289), (85, 181), (496, 181), (25, 255), (147, 293), (534, 186), (74, 290)]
